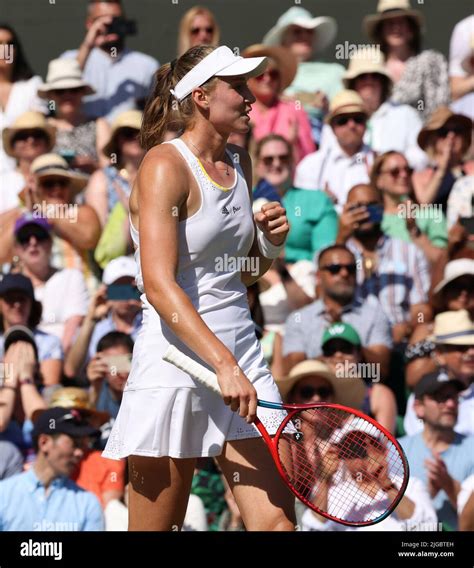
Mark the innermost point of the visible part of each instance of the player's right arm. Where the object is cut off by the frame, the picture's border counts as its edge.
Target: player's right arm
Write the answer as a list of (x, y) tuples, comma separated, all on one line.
[(163, 199)]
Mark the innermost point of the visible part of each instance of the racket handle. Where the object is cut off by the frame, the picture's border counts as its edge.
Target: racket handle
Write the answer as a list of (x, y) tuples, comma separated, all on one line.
[(197, 371)]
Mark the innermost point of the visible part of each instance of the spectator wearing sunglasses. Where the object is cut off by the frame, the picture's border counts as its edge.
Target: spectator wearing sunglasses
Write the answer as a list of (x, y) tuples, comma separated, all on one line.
[(345, 163), (112, 184), (394, 271), (402, 218), (78, 139), (453, 351), (33, 247), (438, 455), (121, 77), (337, 301), (19, 86), (311, 213), (316, 82), (26, 139), (390, 125), (446, 138), (341, 348), (272, 115), (44, 498), (454, 292), (198, 26), (75, 228), (355, 453)]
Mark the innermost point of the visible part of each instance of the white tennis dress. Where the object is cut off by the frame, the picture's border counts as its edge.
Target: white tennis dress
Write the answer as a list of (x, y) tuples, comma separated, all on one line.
[(164, 412)]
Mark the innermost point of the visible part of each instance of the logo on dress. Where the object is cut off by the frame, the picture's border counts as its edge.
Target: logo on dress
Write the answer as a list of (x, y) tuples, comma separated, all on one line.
[(225, 211), (235, 209)]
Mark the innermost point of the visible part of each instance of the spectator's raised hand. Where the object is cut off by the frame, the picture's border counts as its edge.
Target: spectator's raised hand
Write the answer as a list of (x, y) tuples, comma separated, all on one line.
[(350, 219), (25, 359), (97, 34), (97, 369), (457, 237), (99, 306)]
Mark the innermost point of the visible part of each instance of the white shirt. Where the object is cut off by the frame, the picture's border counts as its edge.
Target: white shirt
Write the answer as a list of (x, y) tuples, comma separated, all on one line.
[(11, 183), (23, 97), (423, 518), (464, 425), (460, 200), (393, 126), (64, 295), (467, 488), (459, 48), (333, 168), (119, 81)]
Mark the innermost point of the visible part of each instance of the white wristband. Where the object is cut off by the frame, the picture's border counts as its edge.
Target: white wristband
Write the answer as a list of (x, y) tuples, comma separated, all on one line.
[(268, 249)]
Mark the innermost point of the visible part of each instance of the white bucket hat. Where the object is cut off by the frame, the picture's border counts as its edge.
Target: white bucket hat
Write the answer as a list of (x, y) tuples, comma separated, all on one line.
[(219, 63), (388, 9), (326, 28), (455, 269), (64, 74)]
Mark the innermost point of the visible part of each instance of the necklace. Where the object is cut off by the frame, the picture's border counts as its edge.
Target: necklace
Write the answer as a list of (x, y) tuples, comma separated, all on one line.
[(226, 170)]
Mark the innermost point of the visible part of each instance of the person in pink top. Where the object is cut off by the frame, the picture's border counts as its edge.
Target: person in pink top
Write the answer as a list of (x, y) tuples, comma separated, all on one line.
[(270, 113)]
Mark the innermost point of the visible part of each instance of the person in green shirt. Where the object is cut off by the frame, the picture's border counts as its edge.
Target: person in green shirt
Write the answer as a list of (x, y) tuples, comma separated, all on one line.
[(311, 214), (404, 218)]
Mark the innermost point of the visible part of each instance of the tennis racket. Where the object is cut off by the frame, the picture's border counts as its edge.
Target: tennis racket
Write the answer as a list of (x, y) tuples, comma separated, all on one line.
[(336, 460)]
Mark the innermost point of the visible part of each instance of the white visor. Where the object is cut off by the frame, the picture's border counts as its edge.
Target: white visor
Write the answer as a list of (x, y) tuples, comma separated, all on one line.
[(220, 63)]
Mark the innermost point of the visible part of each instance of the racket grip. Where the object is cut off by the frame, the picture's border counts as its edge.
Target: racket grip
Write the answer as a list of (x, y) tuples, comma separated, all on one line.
[(197, 371)]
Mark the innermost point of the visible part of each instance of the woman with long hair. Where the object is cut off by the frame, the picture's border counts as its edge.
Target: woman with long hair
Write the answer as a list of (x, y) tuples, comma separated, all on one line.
[(198, 26), (197, 249)]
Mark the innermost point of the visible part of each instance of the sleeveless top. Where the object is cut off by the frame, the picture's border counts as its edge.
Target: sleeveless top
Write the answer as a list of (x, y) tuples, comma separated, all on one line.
[(213, 242)]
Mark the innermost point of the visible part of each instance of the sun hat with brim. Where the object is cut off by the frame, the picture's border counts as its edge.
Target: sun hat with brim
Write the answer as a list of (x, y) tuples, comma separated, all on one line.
[(340, 330), (347, 391), (75, 397), (387, 9), (325, 28), (64, 74), (455, 269), (433, 382), (346, 102), (453, 328), (437, 120), (126, 119), (55, 165), (29, 120), (58, 420), (366, 60), (221, 62), (285, 61)]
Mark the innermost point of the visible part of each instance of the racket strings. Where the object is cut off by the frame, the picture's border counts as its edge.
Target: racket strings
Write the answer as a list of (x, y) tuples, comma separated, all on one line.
[(342, 464)]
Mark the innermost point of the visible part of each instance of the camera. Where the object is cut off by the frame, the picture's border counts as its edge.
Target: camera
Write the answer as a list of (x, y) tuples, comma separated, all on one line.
[(122, 27)]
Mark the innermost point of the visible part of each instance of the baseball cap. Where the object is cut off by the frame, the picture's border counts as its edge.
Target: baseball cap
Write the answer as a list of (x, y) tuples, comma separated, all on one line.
[(432, 382), (19, 333), (222, 62), (341, 330), (30, 219), (59, 420), (17, 282), (119, 268)]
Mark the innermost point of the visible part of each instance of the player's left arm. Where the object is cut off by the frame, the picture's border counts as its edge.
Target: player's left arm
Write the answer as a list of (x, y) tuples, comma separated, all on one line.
[(271, 219)]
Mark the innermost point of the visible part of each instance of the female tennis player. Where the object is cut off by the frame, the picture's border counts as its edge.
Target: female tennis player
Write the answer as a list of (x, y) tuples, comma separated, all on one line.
[(197, 248)]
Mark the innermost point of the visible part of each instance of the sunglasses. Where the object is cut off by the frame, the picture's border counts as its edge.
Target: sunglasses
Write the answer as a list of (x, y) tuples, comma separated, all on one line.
[(283, 158), (128, 133), (330, 349), (445, 130), (50, 183), (355, 446), (441, 397), (208, 30), (36, 133), (336, 268), (395, 172), (273, 75), (307, 392), (23, 237), (72, 90), (343, 120)]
